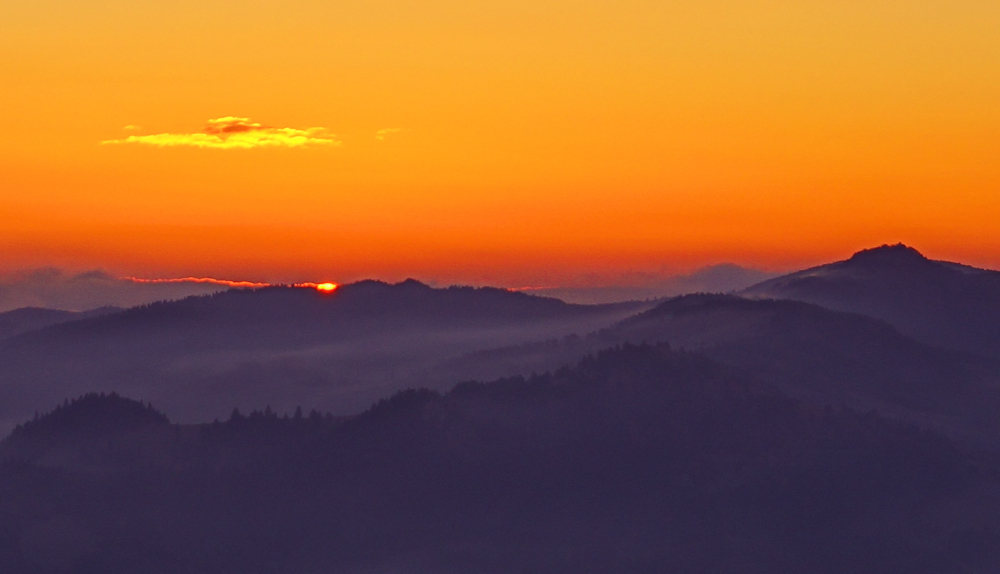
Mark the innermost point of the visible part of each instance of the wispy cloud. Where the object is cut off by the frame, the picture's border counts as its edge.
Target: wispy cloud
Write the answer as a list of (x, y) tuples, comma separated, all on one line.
[(232, 132), (230, 283), (209, 280), (380, 134), (57, 289)]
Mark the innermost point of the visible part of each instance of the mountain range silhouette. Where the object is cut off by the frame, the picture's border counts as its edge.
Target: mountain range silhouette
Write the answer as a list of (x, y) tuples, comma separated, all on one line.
[(637, 459), (838, 419), (937, 302)]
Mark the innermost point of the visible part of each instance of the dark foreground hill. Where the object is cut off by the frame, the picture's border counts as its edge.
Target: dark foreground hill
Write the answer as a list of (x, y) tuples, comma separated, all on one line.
[(282, 346), (938, 302), (637, 460)]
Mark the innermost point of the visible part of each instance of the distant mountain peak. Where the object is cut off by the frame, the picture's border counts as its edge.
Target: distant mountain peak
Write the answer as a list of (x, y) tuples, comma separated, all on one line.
[(888, 253), (412, 283)]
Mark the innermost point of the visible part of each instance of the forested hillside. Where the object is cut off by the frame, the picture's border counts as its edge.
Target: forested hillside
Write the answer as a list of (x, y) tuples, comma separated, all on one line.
[(638, 459)]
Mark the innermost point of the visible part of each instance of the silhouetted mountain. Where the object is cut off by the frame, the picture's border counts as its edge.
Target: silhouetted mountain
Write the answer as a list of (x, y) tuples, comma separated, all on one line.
[(281, 346), (92, 413), (937, 302), (806, 351), (66, 437), (639, 460), (32, 318)]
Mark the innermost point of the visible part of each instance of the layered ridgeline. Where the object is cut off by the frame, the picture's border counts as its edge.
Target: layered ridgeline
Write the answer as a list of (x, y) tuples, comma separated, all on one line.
[(829, 357), (886, 329), (200, 356), (937, 302), (640, 459), (805, 351)]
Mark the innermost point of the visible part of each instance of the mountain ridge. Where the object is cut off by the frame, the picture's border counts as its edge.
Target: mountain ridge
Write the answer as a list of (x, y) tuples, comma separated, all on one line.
[(941, 303), (279, 345), (637, 459)]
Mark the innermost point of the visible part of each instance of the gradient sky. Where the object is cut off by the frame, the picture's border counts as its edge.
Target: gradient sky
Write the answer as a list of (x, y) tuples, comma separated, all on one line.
[(514, 142)]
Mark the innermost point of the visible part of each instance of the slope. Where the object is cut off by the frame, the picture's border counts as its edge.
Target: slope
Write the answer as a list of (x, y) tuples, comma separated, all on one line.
[(804, 350), (282, 346), (938, 302), (638, 459)]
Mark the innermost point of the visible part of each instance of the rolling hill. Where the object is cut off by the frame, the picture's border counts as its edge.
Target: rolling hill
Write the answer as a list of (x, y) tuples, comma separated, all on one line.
[(806, 351), (938, 302), (278, 346), (638, 459)]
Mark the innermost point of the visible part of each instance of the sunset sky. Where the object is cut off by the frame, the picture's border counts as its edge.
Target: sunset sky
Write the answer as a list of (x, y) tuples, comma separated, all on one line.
[(514, 142)]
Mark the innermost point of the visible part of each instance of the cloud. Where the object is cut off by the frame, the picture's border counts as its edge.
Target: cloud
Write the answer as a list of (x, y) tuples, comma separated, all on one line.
[(131, 128), (57, 289), (232, 132), (380, 135), (231, 124), (208, 280), (54, 288)]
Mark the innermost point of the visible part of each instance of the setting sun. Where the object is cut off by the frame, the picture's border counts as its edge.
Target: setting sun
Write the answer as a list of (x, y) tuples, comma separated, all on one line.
[(512, 143), (628, 286)]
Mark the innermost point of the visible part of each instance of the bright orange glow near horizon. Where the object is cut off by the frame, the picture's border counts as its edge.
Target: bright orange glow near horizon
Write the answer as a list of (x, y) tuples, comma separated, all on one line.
[(210, 280), (323, 287), (526, 142)]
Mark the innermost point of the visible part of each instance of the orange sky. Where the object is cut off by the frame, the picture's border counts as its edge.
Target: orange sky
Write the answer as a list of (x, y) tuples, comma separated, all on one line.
[(515, 142)]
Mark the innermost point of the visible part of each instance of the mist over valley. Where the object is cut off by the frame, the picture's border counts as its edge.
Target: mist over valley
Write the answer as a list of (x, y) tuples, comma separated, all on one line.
[(848, 427)]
